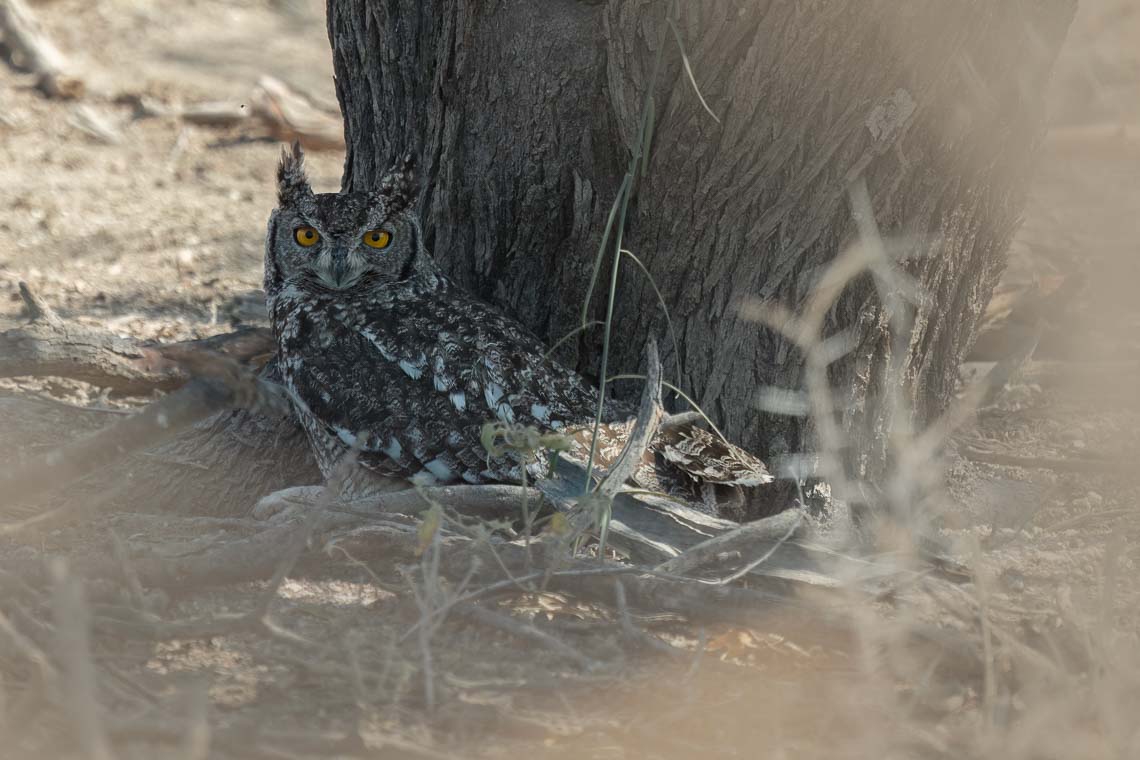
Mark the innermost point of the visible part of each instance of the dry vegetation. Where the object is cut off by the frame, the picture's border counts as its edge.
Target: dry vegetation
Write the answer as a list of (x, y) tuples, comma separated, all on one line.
[(138, 208)]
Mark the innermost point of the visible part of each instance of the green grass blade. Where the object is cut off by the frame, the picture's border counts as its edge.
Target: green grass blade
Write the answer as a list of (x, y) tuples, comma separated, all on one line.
[(602, 246), (664, 308)]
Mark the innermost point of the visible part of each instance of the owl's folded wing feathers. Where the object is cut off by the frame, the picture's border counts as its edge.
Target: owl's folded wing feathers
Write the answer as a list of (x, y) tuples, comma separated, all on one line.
[(413, 402)]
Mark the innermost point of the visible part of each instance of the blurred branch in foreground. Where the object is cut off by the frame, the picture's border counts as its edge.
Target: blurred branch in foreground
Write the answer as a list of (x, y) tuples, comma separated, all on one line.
[(24, 39)]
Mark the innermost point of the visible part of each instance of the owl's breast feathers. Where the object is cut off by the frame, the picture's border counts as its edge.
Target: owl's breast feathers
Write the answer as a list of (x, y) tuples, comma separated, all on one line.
[(408, 375)]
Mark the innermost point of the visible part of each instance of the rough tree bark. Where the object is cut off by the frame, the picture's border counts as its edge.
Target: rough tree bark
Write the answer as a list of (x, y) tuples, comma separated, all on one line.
[(524, 114)]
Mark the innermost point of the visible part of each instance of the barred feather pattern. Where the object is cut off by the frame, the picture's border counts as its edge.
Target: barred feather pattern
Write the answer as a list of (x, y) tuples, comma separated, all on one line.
[(404, 368), (408, 376)]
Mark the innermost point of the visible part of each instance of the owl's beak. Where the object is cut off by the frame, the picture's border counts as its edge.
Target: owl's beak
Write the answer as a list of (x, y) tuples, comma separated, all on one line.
[(335, 270), (340, 270)]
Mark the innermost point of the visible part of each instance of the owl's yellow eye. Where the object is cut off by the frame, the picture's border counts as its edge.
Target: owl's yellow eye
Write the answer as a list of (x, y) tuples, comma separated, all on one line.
[(377, 239), (306, 236)]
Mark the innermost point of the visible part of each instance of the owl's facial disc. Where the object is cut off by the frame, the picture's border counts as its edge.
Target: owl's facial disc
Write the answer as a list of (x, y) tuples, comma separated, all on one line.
[(339, 259), (342, 241)]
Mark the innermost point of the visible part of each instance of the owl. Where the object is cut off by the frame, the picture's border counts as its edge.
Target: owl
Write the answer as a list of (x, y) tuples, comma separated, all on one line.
[(386, 358)]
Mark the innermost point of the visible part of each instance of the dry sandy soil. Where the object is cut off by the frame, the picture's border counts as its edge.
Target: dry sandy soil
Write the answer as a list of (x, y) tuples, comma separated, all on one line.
[(157, 234)]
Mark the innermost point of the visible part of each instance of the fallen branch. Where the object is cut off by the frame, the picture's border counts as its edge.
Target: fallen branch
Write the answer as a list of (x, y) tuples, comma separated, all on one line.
[(50, 346), (747, 539), (36, 52), (649, 414), (157, 422), (1085, 466), (290, 116)]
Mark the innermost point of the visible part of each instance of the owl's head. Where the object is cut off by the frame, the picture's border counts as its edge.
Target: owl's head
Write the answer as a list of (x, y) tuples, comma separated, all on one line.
[(341, 241)]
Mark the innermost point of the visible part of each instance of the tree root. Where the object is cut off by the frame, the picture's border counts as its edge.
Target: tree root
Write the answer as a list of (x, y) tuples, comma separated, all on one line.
[(50, 346)]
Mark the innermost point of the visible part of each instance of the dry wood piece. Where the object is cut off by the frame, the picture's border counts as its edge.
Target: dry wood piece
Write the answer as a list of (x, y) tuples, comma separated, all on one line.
[(648, 416), (161, 420), (290, 115), (588, 579), (50, 346), (753, 537), (37, 53)]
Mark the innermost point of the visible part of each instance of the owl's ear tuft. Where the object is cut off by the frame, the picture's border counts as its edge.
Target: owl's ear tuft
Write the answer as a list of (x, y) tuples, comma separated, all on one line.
[(400, 186), (292, 184)]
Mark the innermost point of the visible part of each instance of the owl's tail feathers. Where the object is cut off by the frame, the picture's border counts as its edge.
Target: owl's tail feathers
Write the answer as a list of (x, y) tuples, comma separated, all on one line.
[(708, 458), (679, 460)]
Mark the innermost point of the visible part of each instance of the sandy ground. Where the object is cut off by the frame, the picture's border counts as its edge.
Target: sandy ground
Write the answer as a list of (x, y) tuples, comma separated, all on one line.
[(159, 234)]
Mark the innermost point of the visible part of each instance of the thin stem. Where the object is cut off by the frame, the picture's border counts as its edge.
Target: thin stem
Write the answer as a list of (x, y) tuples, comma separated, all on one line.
[(602, 248), (606, 339), (664, 308), (571, 334), (624, 194)]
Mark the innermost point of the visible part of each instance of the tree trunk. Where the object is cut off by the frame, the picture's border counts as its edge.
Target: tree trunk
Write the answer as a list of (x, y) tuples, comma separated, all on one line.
[(524, 115)]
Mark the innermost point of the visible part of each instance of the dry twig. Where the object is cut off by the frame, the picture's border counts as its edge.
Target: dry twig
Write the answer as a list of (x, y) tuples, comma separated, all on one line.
[(37, 53)]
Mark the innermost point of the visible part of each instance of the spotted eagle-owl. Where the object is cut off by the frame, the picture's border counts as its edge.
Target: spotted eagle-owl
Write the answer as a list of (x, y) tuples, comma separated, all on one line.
[(384, 356)]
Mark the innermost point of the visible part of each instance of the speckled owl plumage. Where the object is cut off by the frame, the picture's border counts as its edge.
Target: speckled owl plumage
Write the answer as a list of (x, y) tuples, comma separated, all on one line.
[(404, 367)]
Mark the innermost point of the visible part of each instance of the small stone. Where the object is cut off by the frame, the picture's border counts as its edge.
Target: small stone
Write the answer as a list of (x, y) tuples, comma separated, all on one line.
[(1095, 500), (1013, 580)]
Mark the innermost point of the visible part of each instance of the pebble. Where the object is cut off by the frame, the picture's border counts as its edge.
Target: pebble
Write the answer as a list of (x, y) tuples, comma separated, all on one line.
[(1073, 435)]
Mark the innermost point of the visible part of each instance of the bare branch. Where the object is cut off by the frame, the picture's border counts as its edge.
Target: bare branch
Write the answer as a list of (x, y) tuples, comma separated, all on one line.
[(759, 534), (50, 346), (38, 310), (645, 427)]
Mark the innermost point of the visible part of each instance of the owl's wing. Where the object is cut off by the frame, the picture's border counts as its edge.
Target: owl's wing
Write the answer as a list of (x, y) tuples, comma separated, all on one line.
[(340, 386), (410, 384)]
